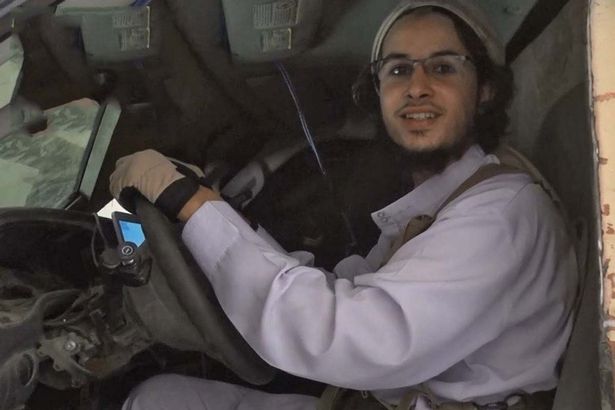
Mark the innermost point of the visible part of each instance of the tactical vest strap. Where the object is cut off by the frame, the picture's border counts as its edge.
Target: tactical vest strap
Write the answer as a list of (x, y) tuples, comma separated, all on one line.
[(336, 398), (328, 397), (421, 223)]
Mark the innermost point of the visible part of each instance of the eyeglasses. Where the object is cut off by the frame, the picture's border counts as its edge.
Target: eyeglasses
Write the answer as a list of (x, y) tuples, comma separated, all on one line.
[(398, 68)]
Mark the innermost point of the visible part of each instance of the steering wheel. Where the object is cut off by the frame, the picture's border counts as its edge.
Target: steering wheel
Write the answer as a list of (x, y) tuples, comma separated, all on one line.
[(195, 294)]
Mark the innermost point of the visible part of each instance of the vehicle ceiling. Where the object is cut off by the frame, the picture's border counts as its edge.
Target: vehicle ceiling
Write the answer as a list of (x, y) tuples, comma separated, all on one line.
[(347, 27)]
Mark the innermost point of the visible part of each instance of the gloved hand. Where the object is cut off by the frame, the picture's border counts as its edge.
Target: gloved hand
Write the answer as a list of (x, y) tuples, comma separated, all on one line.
[(166, 183)]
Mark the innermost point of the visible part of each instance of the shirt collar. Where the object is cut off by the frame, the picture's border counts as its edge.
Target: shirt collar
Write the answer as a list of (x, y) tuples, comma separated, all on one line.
[(427, 197)]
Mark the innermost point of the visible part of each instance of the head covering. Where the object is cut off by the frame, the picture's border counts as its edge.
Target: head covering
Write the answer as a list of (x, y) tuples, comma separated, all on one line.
[(468, 11)]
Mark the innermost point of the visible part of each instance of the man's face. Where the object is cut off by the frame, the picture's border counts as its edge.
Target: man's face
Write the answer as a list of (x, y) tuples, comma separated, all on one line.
[(424, 112)]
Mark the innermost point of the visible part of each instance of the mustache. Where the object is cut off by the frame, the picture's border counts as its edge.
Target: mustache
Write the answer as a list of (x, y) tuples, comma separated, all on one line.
[(418, 104)]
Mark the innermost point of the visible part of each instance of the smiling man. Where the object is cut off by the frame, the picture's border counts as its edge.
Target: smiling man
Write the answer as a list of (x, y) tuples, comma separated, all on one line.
[(470, 310), (429, 90)]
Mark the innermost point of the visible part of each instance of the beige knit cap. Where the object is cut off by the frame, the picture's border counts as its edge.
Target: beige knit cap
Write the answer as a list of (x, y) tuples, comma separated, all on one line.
[(467, 10)]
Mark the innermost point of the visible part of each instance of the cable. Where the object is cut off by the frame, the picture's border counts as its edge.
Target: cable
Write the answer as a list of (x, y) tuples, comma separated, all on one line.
[(98, 231), (308, 135), (140, 3), (93, 249), (304, 125), (65, 318)]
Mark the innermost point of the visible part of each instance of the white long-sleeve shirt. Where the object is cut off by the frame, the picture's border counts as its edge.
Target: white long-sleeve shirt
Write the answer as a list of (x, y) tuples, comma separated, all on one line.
[(477, 307)]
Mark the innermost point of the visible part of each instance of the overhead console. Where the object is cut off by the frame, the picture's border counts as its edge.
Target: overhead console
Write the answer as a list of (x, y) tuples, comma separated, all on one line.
[(269, 30)]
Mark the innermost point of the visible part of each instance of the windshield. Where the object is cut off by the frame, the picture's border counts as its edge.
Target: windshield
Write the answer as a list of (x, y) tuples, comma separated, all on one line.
[(44, 169)]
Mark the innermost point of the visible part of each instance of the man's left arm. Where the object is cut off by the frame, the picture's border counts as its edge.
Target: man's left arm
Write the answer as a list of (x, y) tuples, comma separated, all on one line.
[(387, 329)]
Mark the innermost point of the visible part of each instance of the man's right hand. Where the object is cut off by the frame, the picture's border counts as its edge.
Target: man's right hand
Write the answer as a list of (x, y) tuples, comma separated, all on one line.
[(157, 178)]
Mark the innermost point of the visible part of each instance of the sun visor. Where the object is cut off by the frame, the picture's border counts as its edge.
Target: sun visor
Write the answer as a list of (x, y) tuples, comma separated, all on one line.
[(265, 30)]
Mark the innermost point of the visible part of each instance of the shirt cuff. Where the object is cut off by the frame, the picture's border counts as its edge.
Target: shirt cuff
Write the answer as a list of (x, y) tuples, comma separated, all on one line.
[(213, 229)]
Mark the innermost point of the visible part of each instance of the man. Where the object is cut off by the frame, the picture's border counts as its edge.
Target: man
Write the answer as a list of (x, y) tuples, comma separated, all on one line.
[(475, 309)]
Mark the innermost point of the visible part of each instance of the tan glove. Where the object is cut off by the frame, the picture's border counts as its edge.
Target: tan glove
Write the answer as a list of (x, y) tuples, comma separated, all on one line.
[(166, 183)]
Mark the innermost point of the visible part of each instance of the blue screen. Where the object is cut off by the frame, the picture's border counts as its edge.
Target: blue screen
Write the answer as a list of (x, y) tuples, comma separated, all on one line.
[(132, 232)]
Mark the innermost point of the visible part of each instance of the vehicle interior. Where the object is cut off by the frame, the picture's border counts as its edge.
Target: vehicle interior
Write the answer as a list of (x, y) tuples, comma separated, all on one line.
[(259, 94)]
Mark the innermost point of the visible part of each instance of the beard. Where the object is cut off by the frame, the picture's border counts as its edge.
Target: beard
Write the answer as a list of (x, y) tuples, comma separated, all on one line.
[(432, 161)]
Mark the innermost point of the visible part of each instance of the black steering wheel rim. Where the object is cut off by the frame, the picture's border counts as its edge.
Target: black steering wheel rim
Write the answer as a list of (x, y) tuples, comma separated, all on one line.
[(194, 293)]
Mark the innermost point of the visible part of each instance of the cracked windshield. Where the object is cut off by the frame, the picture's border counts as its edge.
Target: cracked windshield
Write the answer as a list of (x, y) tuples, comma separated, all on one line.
[(42, 169), (42, 153)]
